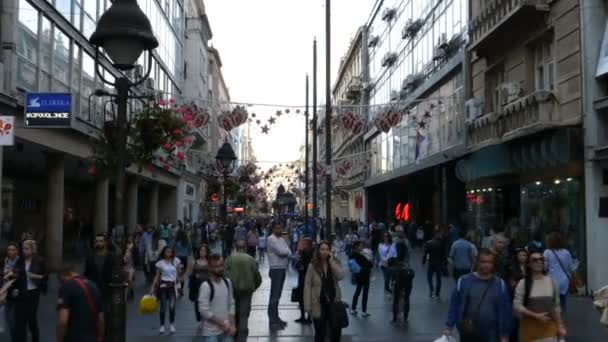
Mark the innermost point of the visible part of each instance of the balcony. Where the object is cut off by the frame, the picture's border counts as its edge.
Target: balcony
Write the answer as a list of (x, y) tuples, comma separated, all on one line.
[(524, 116), (355, 86), (499, 20)]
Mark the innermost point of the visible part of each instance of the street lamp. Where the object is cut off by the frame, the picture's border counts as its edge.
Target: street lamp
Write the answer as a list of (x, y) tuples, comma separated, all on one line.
[(225, 162), (245, 180), (124, 33)]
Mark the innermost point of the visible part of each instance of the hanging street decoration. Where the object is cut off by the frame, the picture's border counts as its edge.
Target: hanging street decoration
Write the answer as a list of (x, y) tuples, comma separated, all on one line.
[(232, 119)]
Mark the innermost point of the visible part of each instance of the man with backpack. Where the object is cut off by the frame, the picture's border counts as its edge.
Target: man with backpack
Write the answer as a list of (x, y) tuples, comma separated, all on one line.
[(216, 303), (242, 270), (360, 269), (403, 276)]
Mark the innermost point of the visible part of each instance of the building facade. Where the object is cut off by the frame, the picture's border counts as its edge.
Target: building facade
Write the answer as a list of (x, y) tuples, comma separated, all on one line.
[(350, 96), (416, 65), (46, 189)]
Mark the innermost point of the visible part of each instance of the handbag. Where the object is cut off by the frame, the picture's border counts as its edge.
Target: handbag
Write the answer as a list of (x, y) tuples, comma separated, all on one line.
[(338, 315), (296, 295), (572, 289), (466, 326)]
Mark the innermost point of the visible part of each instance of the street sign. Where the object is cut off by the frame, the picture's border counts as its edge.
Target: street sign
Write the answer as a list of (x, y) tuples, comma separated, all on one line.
[(48, 109), (7, 130)]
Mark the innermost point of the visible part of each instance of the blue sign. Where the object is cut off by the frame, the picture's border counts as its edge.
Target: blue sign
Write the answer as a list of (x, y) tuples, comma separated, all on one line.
[(48, 109)]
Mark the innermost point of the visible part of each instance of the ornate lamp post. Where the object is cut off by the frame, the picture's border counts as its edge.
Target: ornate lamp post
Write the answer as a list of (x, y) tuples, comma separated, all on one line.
[(225, 163), (124, 33), (245, 180)]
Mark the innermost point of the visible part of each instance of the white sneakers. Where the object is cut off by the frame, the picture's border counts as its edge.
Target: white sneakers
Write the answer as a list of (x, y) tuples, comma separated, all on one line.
[(171, 329)]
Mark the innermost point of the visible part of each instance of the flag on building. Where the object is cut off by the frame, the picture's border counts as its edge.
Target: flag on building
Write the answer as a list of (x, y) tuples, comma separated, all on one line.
[(419, 140)]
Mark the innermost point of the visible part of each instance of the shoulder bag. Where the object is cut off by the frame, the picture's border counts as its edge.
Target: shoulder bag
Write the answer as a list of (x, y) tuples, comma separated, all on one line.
[(91, 302), (466, 326)]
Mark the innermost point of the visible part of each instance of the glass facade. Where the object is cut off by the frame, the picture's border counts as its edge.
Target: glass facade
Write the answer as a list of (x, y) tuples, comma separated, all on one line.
[(50, 60), (409, 143)]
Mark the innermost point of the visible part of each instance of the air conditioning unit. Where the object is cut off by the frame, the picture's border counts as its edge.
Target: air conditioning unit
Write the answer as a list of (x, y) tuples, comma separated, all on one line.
[(389, 14), (442, 42), (149, 83), (395, 95), (438, 53), (407, 82), (473, 108)]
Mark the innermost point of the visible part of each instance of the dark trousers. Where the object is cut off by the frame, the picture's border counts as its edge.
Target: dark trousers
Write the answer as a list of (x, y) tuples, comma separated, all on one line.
[(197, 311), (227, 249), (459, 272), (434, 270), (387, 278), (251, 251), (242, 301), (323, 328), (405, 291), (166, 296), (26, 316), (9, 313), (277, 279), (362, 285)]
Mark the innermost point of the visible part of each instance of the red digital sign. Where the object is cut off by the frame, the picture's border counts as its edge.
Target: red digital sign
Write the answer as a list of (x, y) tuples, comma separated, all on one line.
[(402, 211)]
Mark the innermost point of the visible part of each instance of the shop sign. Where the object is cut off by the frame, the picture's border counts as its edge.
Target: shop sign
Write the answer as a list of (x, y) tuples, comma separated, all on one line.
[(7, 130), (402, 211), (48, 109)]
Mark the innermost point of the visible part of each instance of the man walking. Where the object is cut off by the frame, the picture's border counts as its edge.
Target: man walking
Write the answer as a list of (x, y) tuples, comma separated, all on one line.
[(98, 267), (434, 253), (79, 314), (242, 270), (278, 259), (481, 304), (216, 303), (462, 255)]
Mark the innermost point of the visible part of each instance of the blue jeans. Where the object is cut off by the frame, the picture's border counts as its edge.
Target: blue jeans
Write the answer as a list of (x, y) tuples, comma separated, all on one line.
[(434, 270), (277, 279), (166, 296), (218, 338), (562, 302)]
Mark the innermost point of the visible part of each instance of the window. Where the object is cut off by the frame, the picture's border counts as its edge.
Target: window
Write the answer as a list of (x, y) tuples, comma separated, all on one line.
[(544, 65), (494, 80)]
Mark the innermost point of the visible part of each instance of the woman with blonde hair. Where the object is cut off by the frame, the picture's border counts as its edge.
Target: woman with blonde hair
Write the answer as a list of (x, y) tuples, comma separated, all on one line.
[(321, 291)]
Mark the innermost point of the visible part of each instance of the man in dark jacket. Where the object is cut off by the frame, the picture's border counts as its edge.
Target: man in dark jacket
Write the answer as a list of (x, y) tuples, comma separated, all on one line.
[(98, 268), (362, 278), (435, 254)]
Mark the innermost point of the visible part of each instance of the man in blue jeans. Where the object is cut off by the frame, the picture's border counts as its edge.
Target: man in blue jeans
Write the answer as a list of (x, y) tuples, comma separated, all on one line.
[(278, 258)]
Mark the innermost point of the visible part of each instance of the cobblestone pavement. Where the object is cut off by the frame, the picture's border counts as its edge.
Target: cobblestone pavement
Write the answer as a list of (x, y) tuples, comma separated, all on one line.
[(426, 321)]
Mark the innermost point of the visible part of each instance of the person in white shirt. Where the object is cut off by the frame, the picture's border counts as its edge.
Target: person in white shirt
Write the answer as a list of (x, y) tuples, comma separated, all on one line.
[(216, 304), (168, 271), (278, 259)]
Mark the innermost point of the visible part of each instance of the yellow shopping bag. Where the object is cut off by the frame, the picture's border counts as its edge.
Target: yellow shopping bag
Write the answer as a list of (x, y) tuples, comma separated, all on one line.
[(147, 305)]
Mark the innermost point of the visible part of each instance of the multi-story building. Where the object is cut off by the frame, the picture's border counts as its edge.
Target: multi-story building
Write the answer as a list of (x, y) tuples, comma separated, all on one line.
[(525, 170), (350, 96), (416, 66), (45, 185)]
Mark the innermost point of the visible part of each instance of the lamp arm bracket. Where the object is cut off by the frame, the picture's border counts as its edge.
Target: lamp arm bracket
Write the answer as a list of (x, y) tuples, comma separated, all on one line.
[(140, 81), (99, 74)]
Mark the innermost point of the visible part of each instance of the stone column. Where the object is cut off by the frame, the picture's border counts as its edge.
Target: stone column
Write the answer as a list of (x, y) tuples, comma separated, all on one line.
[(54, 210), (132, 188), (153, 206), (100, 222)]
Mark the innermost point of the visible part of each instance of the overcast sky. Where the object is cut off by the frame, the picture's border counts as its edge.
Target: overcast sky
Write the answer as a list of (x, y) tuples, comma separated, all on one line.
[(266, 51)]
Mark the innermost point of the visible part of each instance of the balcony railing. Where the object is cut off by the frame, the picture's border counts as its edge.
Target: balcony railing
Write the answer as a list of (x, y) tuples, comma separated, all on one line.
[(529, 114), (499, 18), (355, 86)]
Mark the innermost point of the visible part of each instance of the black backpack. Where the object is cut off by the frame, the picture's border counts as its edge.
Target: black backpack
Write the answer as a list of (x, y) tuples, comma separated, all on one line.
[(212, 288)]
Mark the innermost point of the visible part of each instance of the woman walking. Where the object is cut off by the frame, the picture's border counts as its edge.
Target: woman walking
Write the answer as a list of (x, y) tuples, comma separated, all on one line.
[(153, 251), (362, 278), (537, 303), (252, 242), (303, 258), (31, 281), (558, 265), (200, 273), (129, 261), (386, 251), (321, 290), (183, 250), (168, 274)]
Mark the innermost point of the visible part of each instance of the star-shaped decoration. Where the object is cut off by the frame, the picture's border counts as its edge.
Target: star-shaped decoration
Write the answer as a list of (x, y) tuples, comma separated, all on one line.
[(427, 115), (258, 122), (286, 111), (265, 129), (271, 121), (253, 115), (279, 113), (421, 124), (297, 111)]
